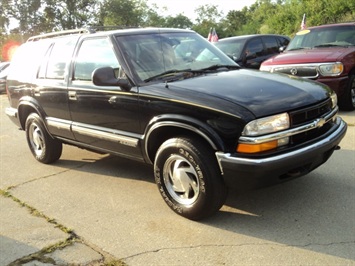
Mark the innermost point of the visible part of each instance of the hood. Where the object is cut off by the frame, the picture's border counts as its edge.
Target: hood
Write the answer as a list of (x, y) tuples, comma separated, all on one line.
[(260, 93), (315, 55)]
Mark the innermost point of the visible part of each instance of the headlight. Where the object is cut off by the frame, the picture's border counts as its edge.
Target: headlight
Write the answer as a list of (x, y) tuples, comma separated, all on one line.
[(267, 125), (265, 68), (334, 98), (333, 69), (263, 126)]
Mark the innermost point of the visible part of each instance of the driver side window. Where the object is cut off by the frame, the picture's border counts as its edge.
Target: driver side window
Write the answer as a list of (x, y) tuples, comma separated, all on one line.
[(254, 47), (94, 53)]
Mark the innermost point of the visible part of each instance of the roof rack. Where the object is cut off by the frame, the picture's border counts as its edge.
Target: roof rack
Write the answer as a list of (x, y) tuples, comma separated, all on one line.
[(58, 33), (112, 27), (91, 29)]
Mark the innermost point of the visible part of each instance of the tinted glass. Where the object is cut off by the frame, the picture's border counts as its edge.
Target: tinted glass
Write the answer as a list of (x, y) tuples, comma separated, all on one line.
[(283, 41), (255, 46), (233, 47), (271, 44)]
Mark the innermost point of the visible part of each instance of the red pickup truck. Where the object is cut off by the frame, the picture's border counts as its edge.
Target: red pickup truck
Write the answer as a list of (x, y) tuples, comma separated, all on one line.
[(324, 53)]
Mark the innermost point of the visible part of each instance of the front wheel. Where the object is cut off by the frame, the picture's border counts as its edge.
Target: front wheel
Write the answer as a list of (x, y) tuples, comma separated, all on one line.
[(347, 102), (43, 147), (188, 178)]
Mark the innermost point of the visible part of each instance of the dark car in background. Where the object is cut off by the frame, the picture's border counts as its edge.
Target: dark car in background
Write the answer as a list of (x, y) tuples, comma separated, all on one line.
[(249, 51), (4, 68), (323, 53)]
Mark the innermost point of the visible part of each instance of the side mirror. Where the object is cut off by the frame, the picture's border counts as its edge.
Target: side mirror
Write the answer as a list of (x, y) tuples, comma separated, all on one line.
[(105, 76), (282, 48)]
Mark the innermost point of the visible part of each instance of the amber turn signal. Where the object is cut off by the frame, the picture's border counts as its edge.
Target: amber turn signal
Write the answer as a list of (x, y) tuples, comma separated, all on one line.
[(254, 148)]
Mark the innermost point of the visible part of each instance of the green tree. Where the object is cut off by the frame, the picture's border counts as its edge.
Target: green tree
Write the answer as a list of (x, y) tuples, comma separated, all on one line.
[(125, 13), (208, 17), (151, 17), (69, 14), (178, 21), (235, 20), (27, 13)]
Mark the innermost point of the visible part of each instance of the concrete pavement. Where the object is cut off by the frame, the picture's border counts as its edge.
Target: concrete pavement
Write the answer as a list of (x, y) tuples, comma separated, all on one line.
[(91, 209)]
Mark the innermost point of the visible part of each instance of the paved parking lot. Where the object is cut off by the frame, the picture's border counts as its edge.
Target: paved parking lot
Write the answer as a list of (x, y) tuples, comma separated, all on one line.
[(92, 209)]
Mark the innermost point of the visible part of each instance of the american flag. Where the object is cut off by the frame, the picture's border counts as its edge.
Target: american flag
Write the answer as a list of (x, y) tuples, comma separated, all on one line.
[(303, 23), (214, 37), (209, 37)]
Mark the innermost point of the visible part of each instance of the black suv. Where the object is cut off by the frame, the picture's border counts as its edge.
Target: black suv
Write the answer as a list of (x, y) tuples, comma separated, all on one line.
[(169, 98), (249, 51)]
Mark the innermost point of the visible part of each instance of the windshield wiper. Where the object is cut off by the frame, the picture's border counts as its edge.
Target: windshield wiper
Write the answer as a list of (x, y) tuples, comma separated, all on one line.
[(328, 45), (298, 48), (184, 73), (169, 73), (217, 67)]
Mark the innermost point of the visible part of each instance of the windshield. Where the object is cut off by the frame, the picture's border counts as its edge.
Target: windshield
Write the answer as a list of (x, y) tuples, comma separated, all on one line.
[(151, 55), (323, 37), (232, 48)]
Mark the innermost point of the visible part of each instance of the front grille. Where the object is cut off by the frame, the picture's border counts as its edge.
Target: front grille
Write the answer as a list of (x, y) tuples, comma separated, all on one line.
[(306, 115), (310, 113), (299, 71)]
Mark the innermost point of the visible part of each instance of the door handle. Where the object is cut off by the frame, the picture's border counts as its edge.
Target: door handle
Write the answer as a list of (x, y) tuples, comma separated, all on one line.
[(72, 95), (113, 99)]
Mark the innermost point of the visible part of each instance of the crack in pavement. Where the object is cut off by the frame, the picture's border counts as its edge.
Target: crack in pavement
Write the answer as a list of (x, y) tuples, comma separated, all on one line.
[(69, 241), (46, 176), (238, 245)]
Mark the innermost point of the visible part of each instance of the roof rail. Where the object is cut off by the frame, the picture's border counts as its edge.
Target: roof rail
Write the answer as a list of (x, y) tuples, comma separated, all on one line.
[(112, 27), (59, 33), (91, 29)]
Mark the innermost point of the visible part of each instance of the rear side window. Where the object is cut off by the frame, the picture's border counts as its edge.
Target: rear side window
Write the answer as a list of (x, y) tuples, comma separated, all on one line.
[(54, 64), (94, 53)]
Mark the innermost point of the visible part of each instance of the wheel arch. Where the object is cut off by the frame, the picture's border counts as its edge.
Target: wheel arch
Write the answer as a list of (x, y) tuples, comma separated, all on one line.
[(352, 71), (165, 127), (27, 106)]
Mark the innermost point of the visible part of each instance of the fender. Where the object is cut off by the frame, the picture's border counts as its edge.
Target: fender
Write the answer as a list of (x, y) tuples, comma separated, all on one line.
[(184, 122), (28, 101)]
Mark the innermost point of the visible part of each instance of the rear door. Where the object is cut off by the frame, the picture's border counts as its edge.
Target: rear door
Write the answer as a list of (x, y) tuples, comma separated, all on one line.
[(104, 117), (50, 86)]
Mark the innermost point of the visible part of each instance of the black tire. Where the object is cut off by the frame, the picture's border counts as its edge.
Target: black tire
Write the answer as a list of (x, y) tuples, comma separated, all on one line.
[(43, 147), (189, 179), (347, 101)]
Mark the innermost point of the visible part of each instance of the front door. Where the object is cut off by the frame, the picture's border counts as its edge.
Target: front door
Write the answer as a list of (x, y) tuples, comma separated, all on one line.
[(103, 117)]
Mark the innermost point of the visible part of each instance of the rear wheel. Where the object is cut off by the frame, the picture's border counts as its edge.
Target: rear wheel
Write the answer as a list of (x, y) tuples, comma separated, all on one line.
[(43, 147), (189, 178), (347, 102)]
